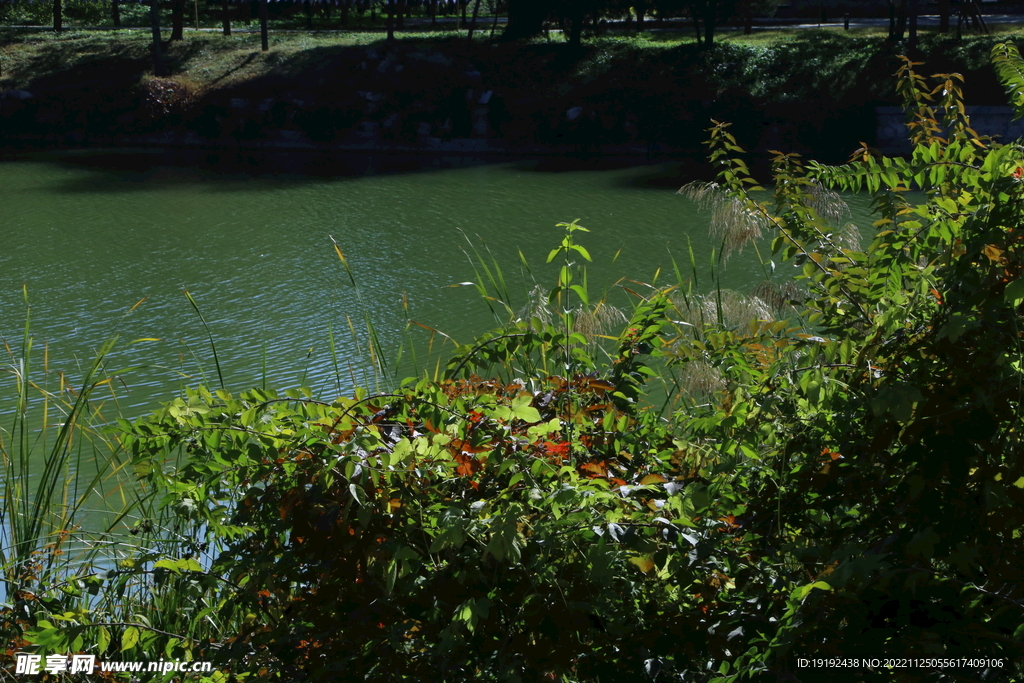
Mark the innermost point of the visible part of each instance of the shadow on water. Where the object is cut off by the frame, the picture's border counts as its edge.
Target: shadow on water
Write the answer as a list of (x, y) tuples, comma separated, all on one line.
[(128, 170), (670, 175), (117, 171)]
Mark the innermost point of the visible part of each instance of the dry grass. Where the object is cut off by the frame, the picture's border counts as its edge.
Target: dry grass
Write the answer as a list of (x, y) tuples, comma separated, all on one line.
[(732, 223)]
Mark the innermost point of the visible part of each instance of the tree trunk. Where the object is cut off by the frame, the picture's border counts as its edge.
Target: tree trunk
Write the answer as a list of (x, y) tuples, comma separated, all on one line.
[(912, 10), (225, 17), (177, 19), (639, 9), (344, 13), (525, 19), (264, 38), (944, 16), (472, 23), (391, 21), (400, 18), (709, 24), (307, 7), (901, 21), (159, 69), (115, 13), (58, 16), (433, 13), (696, 24), (576, 27)]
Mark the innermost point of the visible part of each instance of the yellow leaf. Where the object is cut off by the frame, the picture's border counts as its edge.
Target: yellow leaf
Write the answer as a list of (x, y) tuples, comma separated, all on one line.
[(645, 563), (652, 479), (993, 252), (827, 570)]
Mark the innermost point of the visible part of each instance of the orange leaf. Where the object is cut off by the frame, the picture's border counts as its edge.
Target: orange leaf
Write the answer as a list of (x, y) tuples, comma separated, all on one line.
[(468, 447), (993, 252), (828, 570), (600, 386), (468, 465), (559, 449)]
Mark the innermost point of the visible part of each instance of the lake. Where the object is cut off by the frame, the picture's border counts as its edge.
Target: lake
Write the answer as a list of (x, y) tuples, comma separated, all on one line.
[(91, 233)]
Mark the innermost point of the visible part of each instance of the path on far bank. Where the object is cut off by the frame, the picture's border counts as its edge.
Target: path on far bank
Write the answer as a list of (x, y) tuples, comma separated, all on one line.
[(485, 24)]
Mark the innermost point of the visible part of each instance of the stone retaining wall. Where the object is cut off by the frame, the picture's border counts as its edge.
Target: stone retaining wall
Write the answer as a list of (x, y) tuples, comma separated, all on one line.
[(995, 121)]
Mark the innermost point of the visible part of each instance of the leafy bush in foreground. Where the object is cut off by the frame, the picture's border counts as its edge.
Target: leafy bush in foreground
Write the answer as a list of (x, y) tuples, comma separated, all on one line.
[(848, 484)]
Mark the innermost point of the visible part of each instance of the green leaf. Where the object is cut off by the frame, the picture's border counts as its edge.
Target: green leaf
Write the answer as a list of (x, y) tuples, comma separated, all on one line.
[(522, 409), (129, 638), (1014, 292), (102, 639), (802, 592), (179, 566), (582, 252), (167, 564)]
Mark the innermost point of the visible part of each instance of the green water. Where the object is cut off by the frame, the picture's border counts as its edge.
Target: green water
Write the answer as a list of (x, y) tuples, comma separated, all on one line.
[(90, 234)]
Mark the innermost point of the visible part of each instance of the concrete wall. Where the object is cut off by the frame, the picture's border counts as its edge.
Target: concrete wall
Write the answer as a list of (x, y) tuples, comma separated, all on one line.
[(995, 121), (834, 8), (880, 8)]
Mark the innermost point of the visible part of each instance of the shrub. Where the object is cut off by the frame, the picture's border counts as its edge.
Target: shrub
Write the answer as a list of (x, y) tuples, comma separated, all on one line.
[(844, 481)]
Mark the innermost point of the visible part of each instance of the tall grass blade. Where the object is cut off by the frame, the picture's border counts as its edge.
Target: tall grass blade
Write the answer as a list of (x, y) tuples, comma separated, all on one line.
[(213, 345), (334, 356)]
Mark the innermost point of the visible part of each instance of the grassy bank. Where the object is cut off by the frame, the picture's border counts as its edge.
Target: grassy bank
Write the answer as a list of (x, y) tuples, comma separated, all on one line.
[(814, 89), (209, 60)]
